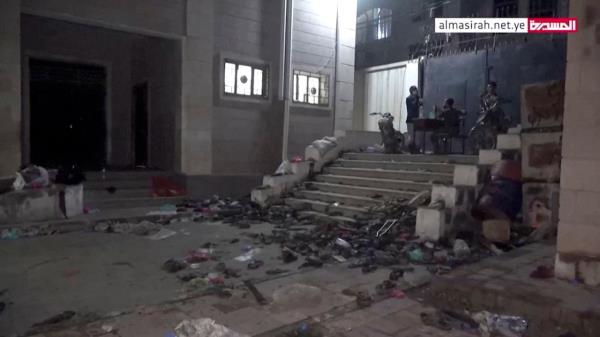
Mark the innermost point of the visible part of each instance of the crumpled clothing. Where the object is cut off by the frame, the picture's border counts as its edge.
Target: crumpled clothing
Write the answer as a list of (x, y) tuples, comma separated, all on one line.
[(204, 327)]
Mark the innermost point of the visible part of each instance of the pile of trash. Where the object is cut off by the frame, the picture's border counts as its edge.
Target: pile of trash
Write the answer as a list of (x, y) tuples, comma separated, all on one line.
[(485, 323), (36, 177), (385, 237), (241, 213), (26, 232)]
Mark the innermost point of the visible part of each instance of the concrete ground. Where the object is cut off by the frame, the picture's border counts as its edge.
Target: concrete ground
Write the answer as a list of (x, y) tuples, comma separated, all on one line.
[(99, 272), (114, 282)]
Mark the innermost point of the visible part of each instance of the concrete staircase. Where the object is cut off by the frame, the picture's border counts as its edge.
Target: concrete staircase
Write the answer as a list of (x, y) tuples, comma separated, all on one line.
[(358, 181), (133, 189)]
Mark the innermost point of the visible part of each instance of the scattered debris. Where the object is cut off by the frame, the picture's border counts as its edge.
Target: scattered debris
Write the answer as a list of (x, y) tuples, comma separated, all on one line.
[(204, 327), (248, 255), (199, 255), (397, 293), (255, 264), (385, 288), (288, 255), (363, 299), (542, 272), (173, 265), (163, 233), (9, 234), (257, 294), (436, 321), (504, 325), (63, 316), (108, 328), (461, 248)]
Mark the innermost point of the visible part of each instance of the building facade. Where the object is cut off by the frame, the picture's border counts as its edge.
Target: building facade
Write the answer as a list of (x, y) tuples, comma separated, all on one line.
[(189, 86)]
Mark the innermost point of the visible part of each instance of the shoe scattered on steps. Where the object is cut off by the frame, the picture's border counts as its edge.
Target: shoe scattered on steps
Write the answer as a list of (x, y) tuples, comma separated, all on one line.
[(357, 181), (123, 189)]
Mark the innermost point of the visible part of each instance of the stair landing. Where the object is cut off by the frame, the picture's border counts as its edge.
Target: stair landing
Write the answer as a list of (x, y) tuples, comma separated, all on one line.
[(124, 189)]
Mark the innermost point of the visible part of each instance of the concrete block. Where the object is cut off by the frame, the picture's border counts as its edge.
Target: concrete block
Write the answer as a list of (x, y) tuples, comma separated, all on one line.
[(489, 157), (542, 155), (30, 205), (263, 195), (301, 169), (540, 204), (73, 200), (431, 223), (466, 175), (280, 182), (448, 194), (509, 142), (515, 130), (563, 269), (589, 272), (496, 230), (542, 104)]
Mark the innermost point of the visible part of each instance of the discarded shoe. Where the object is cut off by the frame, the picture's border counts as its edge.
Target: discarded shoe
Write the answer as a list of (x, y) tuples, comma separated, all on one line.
[(174, 265), (255, 264), (363, 299)]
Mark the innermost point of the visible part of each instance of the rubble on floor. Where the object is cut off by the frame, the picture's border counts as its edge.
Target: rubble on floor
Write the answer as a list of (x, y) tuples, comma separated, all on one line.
[(385, 238)]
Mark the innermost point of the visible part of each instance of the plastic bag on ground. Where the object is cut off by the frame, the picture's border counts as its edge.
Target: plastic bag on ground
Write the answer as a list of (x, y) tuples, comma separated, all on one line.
[(325, 145), (204, 327), (19, 182), (284, 168), (500, 325), (35, 176)]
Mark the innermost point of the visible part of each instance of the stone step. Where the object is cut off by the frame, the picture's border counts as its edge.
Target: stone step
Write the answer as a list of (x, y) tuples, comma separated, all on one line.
[(393, 165), (342, 199), (125, 175), (428, 177), (417, 158), (325, 207), (102, 194), (132, 202), (404, 185), (140, 183), (359, 191), (333, 218)]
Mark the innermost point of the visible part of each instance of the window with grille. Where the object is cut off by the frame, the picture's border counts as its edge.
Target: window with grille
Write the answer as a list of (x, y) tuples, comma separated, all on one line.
[(374, 24), (245, 80), (311, 88), (543, 8), (506, 8)]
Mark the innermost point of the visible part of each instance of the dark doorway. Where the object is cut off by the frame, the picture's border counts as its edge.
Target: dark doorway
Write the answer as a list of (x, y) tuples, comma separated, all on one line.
[(68, 114), (140, 124)]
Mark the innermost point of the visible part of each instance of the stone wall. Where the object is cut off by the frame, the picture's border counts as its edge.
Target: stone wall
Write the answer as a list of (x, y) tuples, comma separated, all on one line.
[(579, 227), (10, 87)]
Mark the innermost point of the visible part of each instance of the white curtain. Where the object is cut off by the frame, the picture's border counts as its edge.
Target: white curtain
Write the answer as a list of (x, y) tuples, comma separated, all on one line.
[(385, 92)]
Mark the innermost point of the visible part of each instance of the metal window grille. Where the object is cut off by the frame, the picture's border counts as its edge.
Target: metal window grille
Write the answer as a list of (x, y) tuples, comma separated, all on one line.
[(310, 88), (375, 24), (543, 8), (506, 8), (245, 79)]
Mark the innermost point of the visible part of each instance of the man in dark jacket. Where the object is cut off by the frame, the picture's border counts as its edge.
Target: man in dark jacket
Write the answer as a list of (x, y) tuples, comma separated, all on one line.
[(413, 105)]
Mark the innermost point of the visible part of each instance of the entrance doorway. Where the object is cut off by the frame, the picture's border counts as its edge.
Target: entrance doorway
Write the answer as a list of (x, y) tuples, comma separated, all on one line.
[(140, 124), (67, 114), (385, 90)]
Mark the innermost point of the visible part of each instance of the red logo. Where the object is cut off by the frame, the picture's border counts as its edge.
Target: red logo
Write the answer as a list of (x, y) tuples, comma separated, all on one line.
[(552, 25)]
